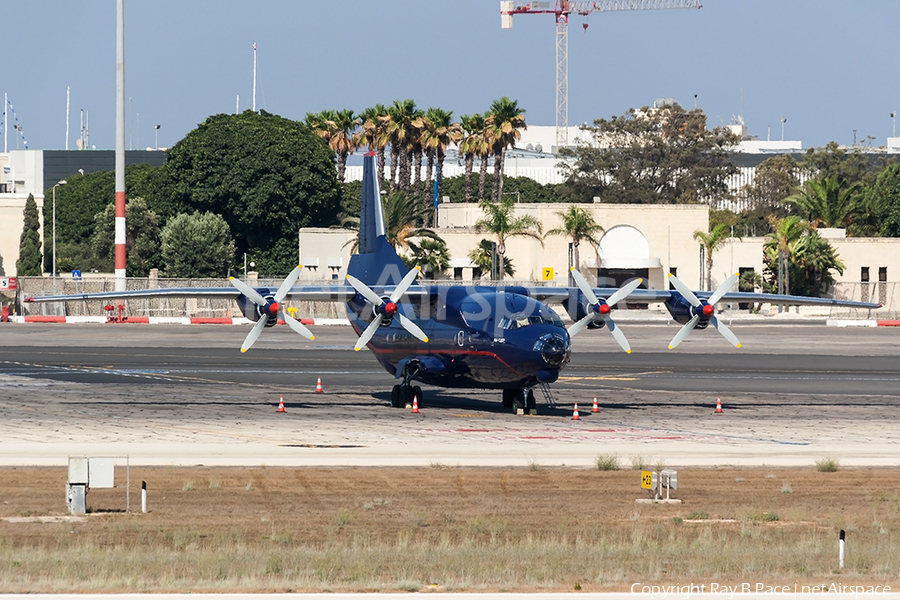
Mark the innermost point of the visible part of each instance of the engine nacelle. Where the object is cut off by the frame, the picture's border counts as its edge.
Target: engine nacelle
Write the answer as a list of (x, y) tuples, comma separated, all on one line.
[(682, 311), (253, 312), (577, 307)]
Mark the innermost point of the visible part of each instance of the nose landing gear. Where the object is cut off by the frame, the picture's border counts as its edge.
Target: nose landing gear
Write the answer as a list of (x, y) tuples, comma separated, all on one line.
[(520, 399)]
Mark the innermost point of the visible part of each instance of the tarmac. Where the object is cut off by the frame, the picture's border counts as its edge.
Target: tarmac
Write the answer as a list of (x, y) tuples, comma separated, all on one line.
[(174, 395)]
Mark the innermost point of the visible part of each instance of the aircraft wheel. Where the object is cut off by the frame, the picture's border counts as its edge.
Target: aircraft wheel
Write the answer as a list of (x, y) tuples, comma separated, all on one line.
[(406, 395), (530, 404), (507, 401), (396, 397), (417, 392)]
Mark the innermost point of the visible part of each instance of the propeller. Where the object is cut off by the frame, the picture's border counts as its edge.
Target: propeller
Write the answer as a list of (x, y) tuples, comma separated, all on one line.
[(271, 307), (386, 309), (599, 311), (703, 308)]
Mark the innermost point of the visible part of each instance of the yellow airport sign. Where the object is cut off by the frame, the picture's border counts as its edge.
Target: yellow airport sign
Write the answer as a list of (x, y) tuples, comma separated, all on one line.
[(647, 480), (548, 273)]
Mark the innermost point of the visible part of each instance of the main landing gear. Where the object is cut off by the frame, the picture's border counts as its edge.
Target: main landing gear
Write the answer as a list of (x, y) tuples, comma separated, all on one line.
[(402, 395), (520, 399)]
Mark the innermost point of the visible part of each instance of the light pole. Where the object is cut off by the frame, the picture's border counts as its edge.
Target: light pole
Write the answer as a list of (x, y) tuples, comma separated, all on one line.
[(894, 122), (62, 182), (783, 121), (156, 138)]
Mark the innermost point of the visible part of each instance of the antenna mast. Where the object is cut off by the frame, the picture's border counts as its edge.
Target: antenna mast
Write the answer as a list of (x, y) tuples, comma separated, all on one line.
[(254, 76)]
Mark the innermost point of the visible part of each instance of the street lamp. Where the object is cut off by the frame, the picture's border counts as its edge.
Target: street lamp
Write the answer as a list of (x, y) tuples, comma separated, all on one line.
[(156, 137), (62, 182)]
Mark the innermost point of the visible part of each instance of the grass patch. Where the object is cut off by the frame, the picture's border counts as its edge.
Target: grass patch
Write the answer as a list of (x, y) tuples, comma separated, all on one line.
[(607, 462), (639, 462), (533, 464), (698, 515), (828, 465), (188, 486), (786, 488)]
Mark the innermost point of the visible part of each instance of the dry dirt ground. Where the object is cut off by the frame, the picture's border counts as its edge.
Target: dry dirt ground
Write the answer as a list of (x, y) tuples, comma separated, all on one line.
[(450, 528)]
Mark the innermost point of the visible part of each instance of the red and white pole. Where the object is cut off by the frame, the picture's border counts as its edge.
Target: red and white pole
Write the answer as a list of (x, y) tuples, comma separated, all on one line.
[(120, 145)]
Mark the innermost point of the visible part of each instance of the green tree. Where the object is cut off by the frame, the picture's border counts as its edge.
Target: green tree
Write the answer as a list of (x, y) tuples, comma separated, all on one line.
[(828, 202), (500, 221), (81, 199), (29, 263), (578, 225), (338, 129), (141, 237), (885, 197), (651, 156), (375, 134), (816, 258), (442, 133), (197, 245), (481, 257), (471, 145), (503, 126), (267, 176), (431, 255), (403, 219), (709, 243), (779, 246), (401, 130)]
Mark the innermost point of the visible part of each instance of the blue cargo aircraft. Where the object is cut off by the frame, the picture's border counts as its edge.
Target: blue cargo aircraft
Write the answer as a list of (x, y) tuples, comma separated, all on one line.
[(506, 338)]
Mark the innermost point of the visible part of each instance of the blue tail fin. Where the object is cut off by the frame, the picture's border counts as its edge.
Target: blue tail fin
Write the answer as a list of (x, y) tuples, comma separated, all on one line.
[(376, 262)]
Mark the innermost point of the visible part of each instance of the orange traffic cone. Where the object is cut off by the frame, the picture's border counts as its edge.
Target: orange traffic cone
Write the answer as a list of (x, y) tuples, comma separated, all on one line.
[(719, 404), (281, 404), (575, 416), (319, 386), (596, 408), (415, 409)]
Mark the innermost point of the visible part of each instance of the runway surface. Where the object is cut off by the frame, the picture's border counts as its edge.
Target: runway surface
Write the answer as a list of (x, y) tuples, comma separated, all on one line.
[(186, 395)]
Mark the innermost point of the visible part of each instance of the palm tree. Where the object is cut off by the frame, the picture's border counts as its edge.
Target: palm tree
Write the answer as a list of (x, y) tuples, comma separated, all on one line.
[(471, 146), (481, 257), (337, 128), (786, 232), (816, 258), (402, 222), (374, 133), (400, 130), (505, 123), (440, 135), (502, 223), (578, 225), (829, 202), (709, 243), (431, 255)]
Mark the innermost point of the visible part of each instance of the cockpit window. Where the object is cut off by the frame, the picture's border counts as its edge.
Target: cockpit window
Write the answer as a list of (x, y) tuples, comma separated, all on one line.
[(519, 321)]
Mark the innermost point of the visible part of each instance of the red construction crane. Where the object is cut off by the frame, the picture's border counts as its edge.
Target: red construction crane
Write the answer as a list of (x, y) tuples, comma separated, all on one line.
[(562, 9)]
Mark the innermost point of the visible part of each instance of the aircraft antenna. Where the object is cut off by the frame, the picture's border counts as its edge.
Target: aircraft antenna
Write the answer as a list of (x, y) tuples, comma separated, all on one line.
[(561, 11)]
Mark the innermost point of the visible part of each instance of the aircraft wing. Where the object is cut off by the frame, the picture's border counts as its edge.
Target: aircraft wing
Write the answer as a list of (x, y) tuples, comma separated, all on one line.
[(321, 293), (642, 296)]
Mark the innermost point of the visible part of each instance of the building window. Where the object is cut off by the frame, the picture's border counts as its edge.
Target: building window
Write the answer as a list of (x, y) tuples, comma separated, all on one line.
[(672, 271), (458, 273), (882, 273), (864, 274), (864, 278)]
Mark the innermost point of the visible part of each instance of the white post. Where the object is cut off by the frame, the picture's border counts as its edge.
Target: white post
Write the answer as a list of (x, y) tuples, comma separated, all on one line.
[(67, 117), (237, 103), (5, 119), (254, 76), (841, 550), (144, 497)]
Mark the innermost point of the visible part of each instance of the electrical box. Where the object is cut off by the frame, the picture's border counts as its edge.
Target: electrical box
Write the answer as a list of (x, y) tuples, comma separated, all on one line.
[(78, 470), (101, 472)]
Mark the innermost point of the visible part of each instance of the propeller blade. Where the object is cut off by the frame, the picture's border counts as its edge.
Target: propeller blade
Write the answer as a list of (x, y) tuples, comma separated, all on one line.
[(618, 335), (723, 289), (726, 333), (404, 284), (582, 284), (254, 334), (577, 327), (368, 333), (621, 293), (248, 291), (297, 326), (683, 332), (365, 291), (684, 290), (412, 328), (288, 283)]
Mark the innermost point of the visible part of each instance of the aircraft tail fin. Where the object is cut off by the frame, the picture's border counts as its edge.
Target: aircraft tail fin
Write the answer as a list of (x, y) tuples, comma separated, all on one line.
[(376, 262)]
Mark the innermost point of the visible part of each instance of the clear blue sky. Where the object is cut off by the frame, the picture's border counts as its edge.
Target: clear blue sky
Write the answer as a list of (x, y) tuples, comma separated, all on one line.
[(828, 66)]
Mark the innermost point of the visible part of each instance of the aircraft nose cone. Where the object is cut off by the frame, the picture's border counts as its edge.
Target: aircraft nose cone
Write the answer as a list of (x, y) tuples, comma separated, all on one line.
[(553, 348)]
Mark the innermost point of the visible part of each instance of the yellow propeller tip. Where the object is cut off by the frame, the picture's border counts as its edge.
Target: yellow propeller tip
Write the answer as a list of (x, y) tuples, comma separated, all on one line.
[(571, 268), (628, 351), (243, 350), (670, 274), (355, 348), (426, 340), (312, 337), (671, 347), (231, 279), (739, 345)]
